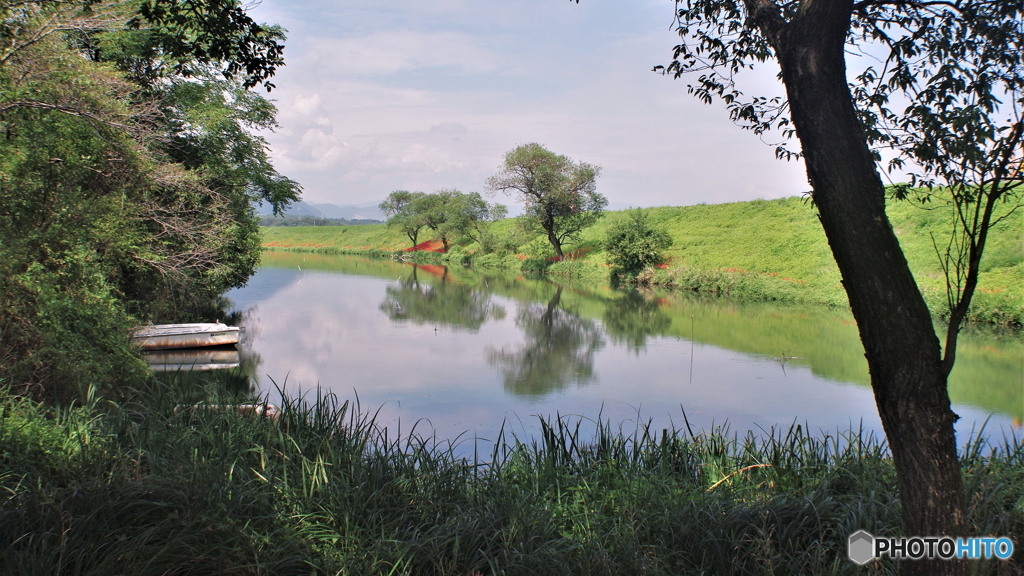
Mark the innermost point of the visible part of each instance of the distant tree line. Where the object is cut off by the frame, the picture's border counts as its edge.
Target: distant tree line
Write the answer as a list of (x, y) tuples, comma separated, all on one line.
[(561, 201), (450, 214), (288, 220), (560, 197)]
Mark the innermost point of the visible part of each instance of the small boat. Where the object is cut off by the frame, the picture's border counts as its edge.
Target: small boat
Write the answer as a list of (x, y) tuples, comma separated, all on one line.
[(181, 360), (162, 336)]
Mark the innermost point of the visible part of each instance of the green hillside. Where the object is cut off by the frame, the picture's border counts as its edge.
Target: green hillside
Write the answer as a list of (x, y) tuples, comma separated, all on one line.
[(762, 249)]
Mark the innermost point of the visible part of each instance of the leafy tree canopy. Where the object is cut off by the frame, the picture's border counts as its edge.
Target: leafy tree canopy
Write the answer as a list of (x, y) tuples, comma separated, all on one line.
[(955, 69), (197, 33), (451, 214), (560, 195), (402, 210), (123, 197)]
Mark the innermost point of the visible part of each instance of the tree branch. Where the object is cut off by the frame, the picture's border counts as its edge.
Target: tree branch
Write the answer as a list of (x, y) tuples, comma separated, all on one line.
[(767, 15)]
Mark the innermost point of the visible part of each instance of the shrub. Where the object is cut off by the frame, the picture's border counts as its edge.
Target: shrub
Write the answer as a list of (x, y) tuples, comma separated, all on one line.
[(456, 256), (578, 270), (536, 265), (489, 261), (493, 243), (634, 243), (538, 248)]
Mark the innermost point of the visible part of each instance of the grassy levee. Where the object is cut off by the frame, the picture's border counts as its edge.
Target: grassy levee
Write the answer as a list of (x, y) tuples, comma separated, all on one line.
[(770, 250), (988, 373), (322, 489), (334, 238)]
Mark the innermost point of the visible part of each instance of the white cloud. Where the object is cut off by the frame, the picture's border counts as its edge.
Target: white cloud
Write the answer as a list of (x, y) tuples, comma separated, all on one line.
[(449, 128), (306, 104), (377, 98)]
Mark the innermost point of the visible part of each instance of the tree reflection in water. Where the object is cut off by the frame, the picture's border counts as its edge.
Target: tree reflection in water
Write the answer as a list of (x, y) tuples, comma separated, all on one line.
[(445, 303), (629, 320), (559, 350)]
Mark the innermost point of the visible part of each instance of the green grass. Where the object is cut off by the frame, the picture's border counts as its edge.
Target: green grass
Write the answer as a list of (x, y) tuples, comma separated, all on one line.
[(760, 250), (325, 490), (335, 238)]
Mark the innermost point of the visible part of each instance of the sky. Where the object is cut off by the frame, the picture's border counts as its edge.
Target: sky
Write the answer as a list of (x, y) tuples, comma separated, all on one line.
[(378, 96)]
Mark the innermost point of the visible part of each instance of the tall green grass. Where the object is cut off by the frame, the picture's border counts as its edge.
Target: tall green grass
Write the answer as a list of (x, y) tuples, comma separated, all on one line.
[(324, 489)]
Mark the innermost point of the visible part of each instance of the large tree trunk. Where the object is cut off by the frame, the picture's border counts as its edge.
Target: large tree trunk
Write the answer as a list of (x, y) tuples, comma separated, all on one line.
[(895, 325), (555, 243)]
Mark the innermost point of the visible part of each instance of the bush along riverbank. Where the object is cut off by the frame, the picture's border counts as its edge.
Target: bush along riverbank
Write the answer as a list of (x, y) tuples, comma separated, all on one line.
[(760, 250), (320, 488)]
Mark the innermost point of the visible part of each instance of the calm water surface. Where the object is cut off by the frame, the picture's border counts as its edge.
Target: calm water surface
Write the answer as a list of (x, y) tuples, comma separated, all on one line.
[(460, 352)]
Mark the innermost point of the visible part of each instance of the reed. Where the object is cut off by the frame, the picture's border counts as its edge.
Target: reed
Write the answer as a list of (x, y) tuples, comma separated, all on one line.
[(323, 488)]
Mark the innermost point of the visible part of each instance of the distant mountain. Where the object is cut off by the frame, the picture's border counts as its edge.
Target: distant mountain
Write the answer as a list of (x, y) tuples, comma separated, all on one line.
[(364, 211), (301, 208)]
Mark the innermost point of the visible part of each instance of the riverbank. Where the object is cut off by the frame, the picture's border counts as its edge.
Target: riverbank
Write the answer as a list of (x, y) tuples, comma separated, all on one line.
[(322, 489), (759, 250)]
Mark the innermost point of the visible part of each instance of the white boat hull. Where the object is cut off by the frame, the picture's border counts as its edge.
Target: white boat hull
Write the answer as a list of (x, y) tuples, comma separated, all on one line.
[(165, 336), (180, 360)]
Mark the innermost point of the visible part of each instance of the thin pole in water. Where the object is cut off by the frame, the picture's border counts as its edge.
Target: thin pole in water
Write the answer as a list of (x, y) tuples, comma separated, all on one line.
[(691, 347)]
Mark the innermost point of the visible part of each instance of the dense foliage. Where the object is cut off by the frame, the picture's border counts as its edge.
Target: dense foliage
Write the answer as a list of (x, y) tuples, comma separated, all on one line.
[(450, 214), (560, 195), (634, 243), (326, 490), (125, 191)]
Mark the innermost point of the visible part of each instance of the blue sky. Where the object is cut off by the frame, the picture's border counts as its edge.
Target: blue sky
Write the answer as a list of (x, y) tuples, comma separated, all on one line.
[(380, 96)]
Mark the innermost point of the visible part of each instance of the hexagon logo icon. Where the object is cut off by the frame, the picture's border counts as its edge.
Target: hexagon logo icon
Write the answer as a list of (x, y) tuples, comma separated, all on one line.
[(861, 547)]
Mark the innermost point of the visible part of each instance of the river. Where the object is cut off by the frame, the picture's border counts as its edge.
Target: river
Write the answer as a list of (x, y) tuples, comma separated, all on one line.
[(461, 354)]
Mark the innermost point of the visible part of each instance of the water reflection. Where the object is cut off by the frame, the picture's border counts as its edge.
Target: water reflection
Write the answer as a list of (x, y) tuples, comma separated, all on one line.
[(558, 351), (467, 349), (446, 303), (194, 359), (634, 317)]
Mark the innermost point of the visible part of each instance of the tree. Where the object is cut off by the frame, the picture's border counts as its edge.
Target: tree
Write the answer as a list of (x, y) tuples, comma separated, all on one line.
[(197, 71), (953, 59), (560, 195), (449, 213), (207, 129), (634, 244), (453, 214), (402, 210), (197, 34), (124, 197), (207, 231), (71, 182), (484, 235)]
